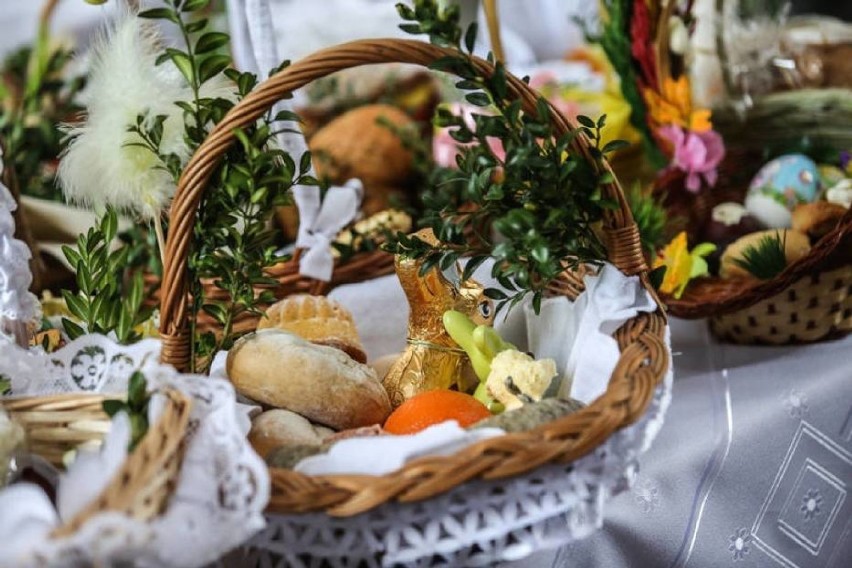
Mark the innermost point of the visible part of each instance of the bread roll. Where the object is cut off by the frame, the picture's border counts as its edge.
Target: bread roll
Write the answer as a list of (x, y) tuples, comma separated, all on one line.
[(318, 319), (796, 245), (356, 145), (321, 383), (276, 428), (818, 218)]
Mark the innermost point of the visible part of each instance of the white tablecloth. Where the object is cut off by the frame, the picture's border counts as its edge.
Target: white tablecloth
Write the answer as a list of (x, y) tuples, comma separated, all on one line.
[(752, 467)]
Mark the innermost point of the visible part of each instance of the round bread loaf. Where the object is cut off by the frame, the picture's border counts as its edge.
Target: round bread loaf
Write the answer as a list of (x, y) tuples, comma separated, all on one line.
[(321, 383), (317, 319), (818, 218), (278, 427), (357, 145), (796, 245)]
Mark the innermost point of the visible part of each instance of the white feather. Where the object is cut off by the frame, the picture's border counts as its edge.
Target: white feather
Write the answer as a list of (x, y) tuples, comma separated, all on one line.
[(100, 168)]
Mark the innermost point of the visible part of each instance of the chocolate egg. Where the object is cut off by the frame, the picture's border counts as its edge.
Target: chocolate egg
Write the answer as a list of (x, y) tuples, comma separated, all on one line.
[(728, 222), (779, 186)]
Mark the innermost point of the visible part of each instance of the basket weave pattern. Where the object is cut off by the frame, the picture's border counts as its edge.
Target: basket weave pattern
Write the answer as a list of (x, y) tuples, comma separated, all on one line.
[(641, 368), (143, 485), (816, 307), (57, 424)]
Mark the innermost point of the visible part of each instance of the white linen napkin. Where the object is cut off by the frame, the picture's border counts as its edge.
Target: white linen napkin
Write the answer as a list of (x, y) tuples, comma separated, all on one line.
[(579, 335), (378, 455)]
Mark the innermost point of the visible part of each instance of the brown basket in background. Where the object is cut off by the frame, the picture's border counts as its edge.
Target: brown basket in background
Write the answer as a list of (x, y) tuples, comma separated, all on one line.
[(641, 367), (141, 488), (810, 301)]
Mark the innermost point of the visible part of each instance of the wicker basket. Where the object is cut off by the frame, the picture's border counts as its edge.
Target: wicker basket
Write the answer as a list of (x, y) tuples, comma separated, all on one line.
[(810, 301), (642, 366), (142, 487)]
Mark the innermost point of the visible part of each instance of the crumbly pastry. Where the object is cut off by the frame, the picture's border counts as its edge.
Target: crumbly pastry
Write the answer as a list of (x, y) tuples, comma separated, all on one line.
[(796, 245), (818, 218), (318, 319), (392, 220), (323, 384), (516, 378), (531, 415), (277, 427)]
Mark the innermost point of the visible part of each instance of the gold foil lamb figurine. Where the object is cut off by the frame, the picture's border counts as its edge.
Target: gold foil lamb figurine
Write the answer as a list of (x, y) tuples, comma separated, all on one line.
[(432, 360)]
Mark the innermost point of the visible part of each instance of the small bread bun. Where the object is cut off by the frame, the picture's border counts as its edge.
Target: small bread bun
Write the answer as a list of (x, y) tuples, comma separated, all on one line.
[(321, 383), (318, 320), (276, 428), (818, 218), (796, 245)]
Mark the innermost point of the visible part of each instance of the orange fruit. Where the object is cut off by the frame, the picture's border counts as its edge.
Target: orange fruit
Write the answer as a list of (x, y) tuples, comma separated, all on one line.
[(434, 407)]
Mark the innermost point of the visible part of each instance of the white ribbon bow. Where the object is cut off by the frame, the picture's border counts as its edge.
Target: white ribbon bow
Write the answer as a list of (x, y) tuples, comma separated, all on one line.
[(320, 222)]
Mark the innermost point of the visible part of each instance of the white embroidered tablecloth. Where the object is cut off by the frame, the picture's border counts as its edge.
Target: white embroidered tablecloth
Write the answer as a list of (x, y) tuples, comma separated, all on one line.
[(753, 465)]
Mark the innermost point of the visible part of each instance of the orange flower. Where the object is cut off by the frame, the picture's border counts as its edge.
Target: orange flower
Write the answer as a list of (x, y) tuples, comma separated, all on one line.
[(681, 264), (673, 105)]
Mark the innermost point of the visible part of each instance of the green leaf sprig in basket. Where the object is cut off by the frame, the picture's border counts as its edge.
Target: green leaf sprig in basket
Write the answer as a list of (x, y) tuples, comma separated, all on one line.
[(136, 407), (108, 299), (135, 166), (541, 199)]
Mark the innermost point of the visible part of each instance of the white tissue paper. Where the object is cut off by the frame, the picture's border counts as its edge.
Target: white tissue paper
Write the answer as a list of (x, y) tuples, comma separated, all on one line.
[(379, 455), (579, 335)]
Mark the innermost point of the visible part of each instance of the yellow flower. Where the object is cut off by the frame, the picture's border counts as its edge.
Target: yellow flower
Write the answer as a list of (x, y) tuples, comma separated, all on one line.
[(682, 265), (673, 105)]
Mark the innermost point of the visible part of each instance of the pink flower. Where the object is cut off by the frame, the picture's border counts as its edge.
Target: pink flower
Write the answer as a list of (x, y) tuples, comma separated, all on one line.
[(445, 149), (698, 154), (543, 79)]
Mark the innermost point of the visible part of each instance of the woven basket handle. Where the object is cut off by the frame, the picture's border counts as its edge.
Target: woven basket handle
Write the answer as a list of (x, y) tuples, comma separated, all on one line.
[(621, 234)]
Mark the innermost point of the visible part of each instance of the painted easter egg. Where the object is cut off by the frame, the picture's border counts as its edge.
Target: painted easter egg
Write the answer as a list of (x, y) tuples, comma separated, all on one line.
[(779, 186)]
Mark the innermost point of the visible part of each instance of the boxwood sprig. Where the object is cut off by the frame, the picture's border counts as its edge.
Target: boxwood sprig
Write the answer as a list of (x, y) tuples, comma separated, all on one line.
[(540, 197)]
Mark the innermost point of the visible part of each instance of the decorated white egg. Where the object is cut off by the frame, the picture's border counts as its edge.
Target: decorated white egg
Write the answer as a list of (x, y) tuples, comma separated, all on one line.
[(779, 187)]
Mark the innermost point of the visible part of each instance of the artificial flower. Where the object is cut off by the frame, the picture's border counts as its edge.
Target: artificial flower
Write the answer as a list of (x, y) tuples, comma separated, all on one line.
[(846, 161), (698, 154), (678, 36), (102, 166), (682, 265), (641, 42), (673, 105), (572, 101), (445, 148)]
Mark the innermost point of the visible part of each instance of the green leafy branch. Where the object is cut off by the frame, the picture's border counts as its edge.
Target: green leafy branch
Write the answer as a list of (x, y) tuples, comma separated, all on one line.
[(766, 259), (108, 298), (538, 195), (232, 244), (136, 407)]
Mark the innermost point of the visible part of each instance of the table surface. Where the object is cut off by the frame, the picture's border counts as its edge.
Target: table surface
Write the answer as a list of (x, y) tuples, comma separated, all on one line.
[(752, 466)]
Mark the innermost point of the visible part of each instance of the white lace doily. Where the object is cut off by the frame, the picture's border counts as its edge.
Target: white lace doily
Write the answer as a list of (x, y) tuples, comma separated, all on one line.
[(476, 524), (220, 494), (16, 302), (92, 363)]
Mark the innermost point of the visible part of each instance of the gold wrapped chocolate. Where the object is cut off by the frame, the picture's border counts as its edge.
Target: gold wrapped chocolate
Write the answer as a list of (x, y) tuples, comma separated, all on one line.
[(432, 359)]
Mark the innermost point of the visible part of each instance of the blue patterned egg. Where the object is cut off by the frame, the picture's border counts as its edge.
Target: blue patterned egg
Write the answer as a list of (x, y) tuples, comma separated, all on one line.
[(780, 186)]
